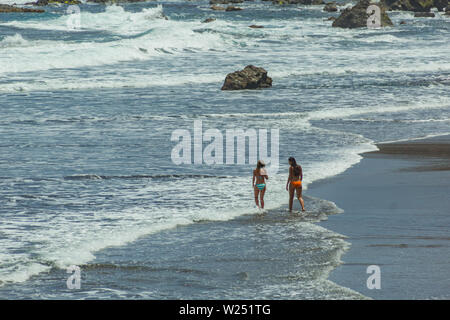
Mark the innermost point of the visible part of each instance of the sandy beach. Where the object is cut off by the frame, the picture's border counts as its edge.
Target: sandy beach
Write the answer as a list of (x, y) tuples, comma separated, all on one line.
[(396, 203)]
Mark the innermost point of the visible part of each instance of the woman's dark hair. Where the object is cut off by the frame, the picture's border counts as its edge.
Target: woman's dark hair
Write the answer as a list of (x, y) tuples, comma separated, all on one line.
[(295, 166)]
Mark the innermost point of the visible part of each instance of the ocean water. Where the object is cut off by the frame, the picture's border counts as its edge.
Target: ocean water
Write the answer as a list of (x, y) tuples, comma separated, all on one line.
[(86, 173)]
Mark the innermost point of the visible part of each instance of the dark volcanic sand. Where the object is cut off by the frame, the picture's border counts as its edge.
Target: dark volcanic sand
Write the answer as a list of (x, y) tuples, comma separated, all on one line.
[(397, 216)]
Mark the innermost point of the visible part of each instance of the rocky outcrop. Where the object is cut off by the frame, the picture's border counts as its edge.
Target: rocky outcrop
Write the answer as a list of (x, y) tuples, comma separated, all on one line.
[(255, 26), (415, 5), (440, 4), (225, 1), (250, 77), (424, 15), (228, 8), (303, 2), (356, 17), (42, 3), (330, 7), (114, 1), (217, 8), (232, 8), (208, 20), (4, 8)]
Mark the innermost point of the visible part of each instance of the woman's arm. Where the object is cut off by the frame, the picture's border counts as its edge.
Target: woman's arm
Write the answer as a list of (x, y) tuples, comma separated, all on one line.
[(263, 172), (289, 178), (301, 173), (253, 179)]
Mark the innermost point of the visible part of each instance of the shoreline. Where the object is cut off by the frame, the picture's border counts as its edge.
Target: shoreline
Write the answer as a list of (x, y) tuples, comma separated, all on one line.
[(252, 252), (395, 216)]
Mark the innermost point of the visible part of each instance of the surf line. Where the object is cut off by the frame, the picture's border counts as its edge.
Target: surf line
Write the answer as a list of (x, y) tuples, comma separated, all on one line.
[(214, 152)]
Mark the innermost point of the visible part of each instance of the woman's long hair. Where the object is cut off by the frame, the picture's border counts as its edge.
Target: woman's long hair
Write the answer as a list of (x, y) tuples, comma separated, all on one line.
[(260, 164), (295, 166)]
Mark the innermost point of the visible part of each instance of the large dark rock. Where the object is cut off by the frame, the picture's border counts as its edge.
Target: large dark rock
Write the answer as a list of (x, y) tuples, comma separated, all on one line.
[(356, 17), (7, 9), (42, 3), (225, 1), (424, 15), (440, 4), (330, 7), (217, 8), (303, 2), (415, 5), (208, 20), (250, 77), (115, 1), (233, 8)]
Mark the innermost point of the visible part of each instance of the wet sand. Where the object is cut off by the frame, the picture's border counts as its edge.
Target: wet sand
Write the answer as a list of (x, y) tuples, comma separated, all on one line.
[(397, 216)]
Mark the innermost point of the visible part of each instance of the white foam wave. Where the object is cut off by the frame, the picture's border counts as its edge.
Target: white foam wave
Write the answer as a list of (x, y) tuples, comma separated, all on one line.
[(337, 113), (13, 41), (428, 136), (115, 19), (160, 37)]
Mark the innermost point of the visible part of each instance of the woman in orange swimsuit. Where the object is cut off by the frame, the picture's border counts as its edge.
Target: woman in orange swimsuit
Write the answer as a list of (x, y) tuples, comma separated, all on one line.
[(294, 183)]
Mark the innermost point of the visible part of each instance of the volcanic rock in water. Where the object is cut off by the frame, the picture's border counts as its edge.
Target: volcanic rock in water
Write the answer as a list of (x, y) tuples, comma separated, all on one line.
[(225, 1), (424, 15), (304, 2), (207, 20), (415, 5), (232, 8), (356, 17), (255, 26), (250, 77), (217, 8), (7, 8), (330, 7), (42, 3), (440, 4), (107, 2)]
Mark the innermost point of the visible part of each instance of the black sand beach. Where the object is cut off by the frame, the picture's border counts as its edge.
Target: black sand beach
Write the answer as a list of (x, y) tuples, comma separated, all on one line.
[(397, 214)]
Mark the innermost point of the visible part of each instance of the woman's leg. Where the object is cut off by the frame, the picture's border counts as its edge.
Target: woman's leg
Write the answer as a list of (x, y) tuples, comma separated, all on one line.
[(300, 199), (256, 196), (291, 196), (261, 194)]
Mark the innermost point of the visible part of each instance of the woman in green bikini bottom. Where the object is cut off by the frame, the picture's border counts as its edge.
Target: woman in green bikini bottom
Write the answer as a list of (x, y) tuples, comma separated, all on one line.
[(259, 183)]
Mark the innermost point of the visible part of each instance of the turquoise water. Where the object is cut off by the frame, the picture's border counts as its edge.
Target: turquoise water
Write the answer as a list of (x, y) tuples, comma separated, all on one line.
[(87, 117)]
